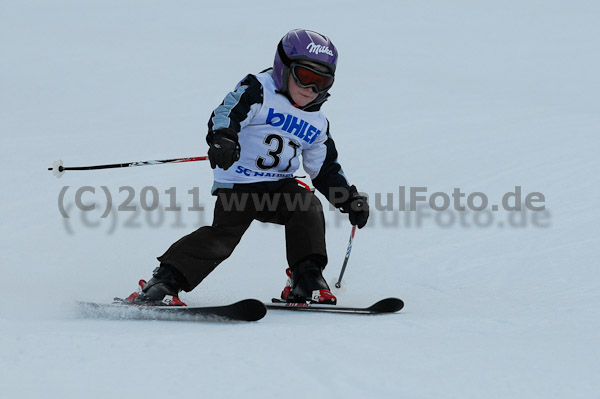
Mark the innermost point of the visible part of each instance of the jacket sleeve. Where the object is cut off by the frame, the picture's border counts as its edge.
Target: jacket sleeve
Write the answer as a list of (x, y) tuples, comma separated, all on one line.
[(320, 161), (238, 107)]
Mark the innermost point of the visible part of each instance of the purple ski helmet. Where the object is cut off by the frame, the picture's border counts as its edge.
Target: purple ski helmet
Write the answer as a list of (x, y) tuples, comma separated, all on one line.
[(302, 44)]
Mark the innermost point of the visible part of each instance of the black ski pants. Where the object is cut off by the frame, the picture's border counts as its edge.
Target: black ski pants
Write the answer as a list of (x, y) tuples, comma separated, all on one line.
[(197, 254)]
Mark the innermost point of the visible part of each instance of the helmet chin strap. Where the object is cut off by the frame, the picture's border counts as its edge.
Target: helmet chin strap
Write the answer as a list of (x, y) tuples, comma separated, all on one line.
[(311, 104), (291, 100), (285, 79)]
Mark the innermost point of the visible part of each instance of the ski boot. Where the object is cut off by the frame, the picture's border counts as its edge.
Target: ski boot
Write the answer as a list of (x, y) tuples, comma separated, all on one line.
[(285, 294), (305, 283), (161, 290)]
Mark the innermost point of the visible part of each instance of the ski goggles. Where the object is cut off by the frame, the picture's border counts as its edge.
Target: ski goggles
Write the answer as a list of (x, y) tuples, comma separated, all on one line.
[(306, 76)]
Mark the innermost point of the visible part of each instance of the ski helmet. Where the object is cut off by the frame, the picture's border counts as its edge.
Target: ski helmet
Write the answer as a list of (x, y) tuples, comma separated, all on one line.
[(298, 45)]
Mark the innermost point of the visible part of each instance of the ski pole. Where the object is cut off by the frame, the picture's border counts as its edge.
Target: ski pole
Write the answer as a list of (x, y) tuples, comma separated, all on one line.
[(339, 282), (58, 169)]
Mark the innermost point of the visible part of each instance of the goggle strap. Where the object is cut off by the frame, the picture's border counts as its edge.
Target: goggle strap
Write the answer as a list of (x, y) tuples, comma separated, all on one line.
[(284, 58)]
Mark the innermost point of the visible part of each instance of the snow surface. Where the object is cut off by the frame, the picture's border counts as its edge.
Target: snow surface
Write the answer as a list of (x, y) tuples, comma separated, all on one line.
[(483, 96)]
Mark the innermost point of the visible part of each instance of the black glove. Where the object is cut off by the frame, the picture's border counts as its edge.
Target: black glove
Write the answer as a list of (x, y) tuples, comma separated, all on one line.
[(224, 148), (357, 208)]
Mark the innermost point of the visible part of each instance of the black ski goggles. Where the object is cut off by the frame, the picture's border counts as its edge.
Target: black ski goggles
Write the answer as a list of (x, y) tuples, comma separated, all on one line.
[(306, 76)]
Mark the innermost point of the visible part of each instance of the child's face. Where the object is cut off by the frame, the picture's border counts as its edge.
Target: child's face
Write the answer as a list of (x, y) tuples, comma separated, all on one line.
[(301, 95)]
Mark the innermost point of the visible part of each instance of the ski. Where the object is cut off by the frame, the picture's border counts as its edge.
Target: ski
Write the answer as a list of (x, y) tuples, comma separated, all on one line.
[(388, 305), (120, 309)]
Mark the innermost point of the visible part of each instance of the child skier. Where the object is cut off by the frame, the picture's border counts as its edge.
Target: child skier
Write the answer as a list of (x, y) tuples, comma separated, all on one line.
[(255, 139)]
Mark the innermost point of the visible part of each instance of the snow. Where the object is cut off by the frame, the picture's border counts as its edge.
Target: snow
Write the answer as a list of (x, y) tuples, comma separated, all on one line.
[(483, 96)]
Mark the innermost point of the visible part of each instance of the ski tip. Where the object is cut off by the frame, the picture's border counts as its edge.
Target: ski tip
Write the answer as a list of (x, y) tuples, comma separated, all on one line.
[(251, 309), (387, 305)]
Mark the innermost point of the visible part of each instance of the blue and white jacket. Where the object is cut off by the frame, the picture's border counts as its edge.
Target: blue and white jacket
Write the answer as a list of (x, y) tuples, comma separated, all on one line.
[(273, 135)]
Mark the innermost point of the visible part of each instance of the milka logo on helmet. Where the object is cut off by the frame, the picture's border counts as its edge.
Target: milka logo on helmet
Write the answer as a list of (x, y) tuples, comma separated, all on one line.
[(317, 49), (291, 124)]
